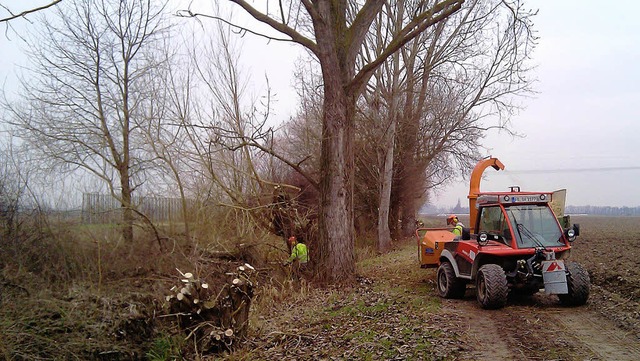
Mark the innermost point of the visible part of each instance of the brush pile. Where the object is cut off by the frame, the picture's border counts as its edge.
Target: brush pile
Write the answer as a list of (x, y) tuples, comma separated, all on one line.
[(213, 316)]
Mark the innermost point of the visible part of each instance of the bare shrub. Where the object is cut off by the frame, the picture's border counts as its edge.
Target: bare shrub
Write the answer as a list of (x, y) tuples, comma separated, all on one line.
[(38, 253)]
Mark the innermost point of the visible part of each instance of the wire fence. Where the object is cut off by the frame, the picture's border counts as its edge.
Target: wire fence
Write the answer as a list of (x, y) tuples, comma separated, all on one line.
[(103, 208)]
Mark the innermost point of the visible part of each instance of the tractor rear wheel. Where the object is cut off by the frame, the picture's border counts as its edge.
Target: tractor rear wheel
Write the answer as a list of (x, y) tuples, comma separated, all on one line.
[(449, 286), (491, 286), (578, 285)]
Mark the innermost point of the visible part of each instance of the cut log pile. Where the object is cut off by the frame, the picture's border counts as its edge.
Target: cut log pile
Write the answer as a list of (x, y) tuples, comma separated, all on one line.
[(215, 319)]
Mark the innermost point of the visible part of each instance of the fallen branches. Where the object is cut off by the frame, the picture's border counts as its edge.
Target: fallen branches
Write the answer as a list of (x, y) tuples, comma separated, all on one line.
[(213, 319)]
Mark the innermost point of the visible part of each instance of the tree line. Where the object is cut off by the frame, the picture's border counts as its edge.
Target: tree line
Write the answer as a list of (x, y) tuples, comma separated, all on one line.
[(394, 99), (430, 209), (603, 210)]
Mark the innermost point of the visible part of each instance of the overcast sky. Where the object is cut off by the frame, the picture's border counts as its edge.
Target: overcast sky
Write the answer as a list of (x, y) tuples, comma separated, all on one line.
[(582, 130)]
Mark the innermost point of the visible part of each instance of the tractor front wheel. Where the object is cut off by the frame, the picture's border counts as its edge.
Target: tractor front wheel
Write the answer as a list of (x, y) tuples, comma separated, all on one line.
[(492, 287), (449, 286), (578, 285)]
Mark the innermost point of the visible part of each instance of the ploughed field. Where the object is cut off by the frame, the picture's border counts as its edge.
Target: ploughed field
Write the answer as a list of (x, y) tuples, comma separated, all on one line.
[(609, 248)]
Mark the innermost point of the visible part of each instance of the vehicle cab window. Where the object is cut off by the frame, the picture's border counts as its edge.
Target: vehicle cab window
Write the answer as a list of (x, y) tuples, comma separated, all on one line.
[(534, 226), (493, 221)]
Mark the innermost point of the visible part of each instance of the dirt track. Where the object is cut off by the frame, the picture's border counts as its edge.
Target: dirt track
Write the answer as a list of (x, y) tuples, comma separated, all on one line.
[(538, 329)]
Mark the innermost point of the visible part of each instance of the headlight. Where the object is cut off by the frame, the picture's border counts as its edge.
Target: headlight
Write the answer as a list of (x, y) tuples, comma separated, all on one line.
[(483, 239), (571, 234)]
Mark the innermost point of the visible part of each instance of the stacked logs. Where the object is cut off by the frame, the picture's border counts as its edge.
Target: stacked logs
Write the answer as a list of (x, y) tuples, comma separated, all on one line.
[(214, 319)]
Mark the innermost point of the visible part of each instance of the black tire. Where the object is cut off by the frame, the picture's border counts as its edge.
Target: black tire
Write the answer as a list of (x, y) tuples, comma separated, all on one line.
[(492, 288), (578, 283), (449, 286)]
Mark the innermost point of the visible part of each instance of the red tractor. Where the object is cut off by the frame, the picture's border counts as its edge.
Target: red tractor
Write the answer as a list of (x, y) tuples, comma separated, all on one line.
[(516, 245)]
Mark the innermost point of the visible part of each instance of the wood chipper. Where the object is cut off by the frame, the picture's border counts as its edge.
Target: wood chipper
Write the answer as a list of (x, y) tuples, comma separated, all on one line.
[(516, 244)]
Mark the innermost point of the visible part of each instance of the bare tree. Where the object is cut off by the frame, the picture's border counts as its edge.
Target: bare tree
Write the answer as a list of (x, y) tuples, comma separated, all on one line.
[(223, 128), (469, 82), (390, 75), (454, 82), (334, 32), (171, 84), (84, 102)]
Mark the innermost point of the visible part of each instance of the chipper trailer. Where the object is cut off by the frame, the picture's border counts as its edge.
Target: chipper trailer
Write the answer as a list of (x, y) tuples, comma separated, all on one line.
[(516, 245)]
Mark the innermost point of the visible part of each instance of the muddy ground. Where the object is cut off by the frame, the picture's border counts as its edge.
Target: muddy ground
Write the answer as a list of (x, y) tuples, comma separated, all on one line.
[(607, 328), (393, 313)]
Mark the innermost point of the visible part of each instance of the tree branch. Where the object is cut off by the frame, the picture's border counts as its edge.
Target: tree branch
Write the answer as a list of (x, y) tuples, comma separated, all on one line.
[(408, 33), (360, 26), (27, 12), (241, 29), (263, 18), (295, 166)]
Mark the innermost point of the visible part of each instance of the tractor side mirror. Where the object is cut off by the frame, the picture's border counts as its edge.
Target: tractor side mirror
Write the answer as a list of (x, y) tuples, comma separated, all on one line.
[(466, 234)]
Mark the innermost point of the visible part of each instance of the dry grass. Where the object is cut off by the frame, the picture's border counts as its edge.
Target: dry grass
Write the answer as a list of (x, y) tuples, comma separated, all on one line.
[(81, 293), (368, 320), (61, 289)]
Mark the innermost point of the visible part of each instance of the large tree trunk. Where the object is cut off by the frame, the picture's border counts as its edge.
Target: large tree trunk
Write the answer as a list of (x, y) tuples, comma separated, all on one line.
[(336, 223), (336, 246), (410, 186)]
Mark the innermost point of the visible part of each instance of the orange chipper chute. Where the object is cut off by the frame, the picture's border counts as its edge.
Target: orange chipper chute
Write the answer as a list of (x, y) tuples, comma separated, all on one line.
[(474, 185), (431, 241)]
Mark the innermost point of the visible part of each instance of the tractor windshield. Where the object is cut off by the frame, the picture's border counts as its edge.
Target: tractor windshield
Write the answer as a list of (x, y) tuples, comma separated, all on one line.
[(534, 226)]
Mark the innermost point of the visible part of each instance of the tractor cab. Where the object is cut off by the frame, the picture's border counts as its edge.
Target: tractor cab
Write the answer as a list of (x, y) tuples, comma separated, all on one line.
[(520, 220), (505, 224)]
